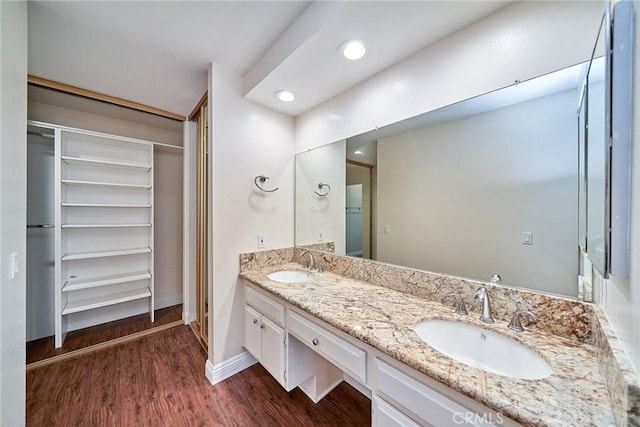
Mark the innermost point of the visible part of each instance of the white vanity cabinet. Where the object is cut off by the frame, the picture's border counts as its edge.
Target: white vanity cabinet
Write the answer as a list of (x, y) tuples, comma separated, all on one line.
[(265, 337), (290, 344)]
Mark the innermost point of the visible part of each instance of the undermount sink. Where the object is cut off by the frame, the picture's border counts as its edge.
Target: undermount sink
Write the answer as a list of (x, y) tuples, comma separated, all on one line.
[(483, 349), (290, 276)]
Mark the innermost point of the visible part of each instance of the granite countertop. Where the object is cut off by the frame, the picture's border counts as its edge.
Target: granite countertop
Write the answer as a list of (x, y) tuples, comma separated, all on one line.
[(574, 395)]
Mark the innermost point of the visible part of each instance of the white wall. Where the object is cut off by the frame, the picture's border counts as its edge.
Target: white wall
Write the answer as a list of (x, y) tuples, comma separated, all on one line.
[(518, 42), (168, 245), (458, 195), (621, 296), (13, 213), (246, 140), (313, 214)]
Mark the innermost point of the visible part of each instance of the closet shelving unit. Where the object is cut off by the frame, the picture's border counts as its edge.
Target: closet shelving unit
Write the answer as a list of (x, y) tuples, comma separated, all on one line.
[(104, 223)]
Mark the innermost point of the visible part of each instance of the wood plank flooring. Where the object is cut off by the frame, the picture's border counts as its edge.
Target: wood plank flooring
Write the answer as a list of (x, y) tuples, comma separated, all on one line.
[(159, 381), (44, 348)]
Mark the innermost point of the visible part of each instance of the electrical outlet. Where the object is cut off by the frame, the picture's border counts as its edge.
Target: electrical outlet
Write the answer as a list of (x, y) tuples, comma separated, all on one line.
[(261, 241), (320, 236), (527, 238), (387, 229)]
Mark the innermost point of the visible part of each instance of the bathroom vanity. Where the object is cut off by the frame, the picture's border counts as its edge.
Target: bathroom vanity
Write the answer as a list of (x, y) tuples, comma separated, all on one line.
[(328, 328)]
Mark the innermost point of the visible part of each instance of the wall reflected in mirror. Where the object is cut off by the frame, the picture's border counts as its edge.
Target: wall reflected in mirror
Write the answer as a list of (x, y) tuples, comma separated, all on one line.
[(486, 186), (592, 112)]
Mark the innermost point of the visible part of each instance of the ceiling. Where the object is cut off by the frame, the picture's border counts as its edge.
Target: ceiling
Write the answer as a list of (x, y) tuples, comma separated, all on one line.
[(158, 53)]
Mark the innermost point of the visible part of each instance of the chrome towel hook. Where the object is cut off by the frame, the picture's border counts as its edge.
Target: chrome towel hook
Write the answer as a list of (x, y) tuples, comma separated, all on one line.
[(262, 179), (320, 187)]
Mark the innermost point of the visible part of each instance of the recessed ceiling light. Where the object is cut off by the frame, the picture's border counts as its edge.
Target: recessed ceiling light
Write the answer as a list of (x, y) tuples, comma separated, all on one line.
[(358, 152), (285, 95), (353, 50)]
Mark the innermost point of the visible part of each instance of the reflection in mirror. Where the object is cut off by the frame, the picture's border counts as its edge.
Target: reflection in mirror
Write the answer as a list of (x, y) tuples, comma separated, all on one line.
[(319, 219), (484, 186), (596, 156)]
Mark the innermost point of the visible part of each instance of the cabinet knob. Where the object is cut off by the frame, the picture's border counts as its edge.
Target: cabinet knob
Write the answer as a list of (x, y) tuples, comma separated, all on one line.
[(255, 321), (262, 326), (315, 341)]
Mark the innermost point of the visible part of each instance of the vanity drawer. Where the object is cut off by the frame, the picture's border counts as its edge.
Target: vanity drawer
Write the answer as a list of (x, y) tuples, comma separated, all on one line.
[(428, 404), (385, 415), (265, 305), (337, 350)]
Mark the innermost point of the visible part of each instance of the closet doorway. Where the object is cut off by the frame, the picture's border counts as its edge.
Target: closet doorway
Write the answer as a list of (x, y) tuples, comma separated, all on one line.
[(51, 114), (359, 209)]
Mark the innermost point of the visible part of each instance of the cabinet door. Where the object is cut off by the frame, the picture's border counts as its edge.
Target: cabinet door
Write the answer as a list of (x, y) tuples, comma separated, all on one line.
[(252, 332), (273, 349)]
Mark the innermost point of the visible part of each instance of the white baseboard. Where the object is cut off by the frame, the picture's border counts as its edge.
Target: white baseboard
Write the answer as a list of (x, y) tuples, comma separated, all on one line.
[(229, 367)]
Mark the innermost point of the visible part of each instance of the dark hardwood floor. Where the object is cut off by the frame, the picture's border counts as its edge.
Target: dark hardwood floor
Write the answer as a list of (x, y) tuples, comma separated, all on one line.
[(159, 380), (45, 347)]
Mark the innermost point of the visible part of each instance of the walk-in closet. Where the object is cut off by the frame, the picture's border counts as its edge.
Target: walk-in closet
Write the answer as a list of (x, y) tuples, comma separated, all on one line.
[(104, 223)]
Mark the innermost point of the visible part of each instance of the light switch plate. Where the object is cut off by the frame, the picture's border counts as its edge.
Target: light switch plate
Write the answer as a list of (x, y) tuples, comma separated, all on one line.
[(527, 238), (13, 265)]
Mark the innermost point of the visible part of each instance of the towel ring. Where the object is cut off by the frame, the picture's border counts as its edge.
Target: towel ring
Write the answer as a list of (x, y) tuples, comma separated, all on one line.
[(320, 187), (262, 179)]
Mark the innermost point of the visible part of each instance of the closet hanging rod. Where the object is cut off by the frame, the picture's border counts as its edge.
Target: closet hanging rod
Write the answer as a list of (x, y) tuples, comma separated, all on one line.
[(44, 135), (40, 225)]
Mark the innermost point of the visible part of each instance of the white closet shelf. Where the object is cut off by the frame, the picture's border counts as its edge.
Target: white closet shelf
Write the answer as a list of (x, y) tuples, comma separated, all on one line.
[(95, 282), (102, 205), (105, 184), (105, 254), (103, 162), (104, 225), (105, 300)]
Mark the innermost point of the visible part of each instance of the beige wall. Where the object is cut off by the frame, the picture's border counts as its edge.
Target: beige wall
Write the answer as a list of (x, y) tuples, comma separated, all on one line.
[(458, 195), (69, 110)]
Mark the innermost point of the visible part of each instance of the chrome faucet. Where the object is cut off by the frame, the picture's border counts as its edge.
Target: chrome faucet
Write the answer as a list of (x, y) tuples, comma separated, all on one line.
[(312, 262), (460, 306), (515, 324), (483, 297)]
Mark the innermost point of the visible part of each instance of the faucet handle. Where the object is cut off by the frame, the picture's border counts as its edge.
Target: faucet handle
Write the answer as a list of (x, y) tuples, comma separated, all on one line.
[(461, 308), (515, 324)]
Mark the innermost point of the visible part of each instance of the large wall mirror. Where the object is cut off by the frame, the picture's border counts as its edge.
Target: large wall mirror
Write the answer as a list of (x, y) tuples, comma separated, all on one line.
[(496, 184), (485, 186)]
